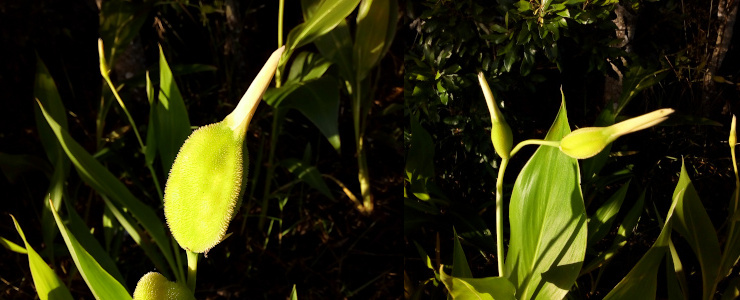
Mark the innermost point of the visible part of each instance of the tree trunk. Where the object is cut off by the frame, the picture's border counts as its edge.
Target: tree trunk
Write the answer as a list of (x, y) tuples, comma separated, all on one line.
[(726, 13), (625, 22)]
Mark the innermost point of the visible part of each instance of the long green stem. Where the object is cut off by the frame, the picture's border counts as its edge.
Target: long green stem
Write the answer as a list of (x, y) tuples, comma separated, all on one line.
[(179, 275), (363, 175), (275, 130), (192, 269), (533, 142), (732, 214), (500, 216)]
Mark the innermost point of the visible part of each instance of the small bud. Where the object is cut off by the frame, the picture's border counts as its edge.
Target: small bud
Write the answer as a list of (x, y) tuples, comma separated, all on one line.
[(154, 286), (207, 179), (733, 132), (589, 141), (501, 135)]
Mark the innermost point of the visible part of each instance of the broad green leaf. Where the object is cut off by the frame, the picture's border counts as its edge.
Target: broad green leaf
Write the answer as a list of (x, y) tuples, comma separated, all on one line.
[(100, 282), (460, 266), (642, 282), (308, 174), (675, 275), (48, 285), (489, 288), (419, 160), (12, 246), (307, 66), (335, 45), (623, 232), (317, 99), (693, 223), (471, 227), (376, 27), (171, 122), (77, 227), (45, 90), (326, 16), (105, 183), (548, 222), (601, 222), (137, 234)]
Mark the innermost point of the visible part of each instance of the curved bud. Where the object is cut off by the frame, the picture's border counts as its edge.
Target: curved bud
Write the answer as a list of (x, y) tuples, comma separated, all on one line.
[(585, 142), (206, 181), (501, 135), (154, 286), (589, 141)]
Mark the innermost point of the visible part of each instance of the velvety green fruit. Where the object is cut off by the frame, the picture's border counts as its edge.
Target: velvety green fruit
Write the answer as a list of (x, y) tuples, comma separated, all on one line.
[(154, 286), (204, 187), (206, 181)]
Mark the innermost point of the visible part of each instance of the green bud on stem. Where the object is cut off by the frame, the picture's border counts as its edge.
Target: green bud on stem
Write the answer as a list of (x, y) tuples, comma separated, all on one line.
[(589, 141), (501, 135), (205, 184)]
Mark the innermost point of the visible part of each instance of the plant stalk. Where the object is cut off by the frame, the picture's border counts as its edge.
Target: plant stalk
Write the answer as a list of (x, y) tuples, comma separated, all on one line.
[(500, 216), (359, 126), (192, 269), (275, 130)]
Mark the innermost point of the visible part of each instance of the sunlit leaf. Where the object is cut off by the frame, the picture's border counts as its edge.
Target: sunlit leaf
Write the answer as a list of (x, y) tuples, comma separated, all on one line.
[(317, 99), (12, 246), (45, 90), (77, 227), (489, 288), (376, 27), (641, 282), (307, 66), (548, 222), (326, 16), (100, 282), (460, 266), (48, 285), (171, 122), (693, 223), (104, 182)]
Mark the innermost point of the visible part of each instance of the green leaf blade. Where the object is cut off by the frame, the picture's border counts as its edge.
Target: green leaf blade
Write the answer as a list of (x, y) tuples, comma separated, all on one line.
[(317, 99), (548, 222), (171, 121), (48, 285), (326, 16), (489, 288), (104, 182), (693, 223), (100, 282)]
